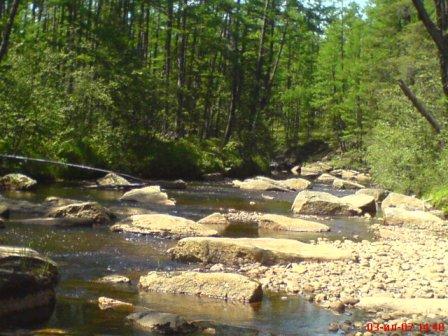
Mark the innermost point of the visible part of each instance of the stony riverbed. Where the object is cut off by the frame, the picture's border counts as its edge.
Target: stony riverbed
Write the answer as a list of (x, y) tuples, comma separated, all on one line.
[(387, 264)]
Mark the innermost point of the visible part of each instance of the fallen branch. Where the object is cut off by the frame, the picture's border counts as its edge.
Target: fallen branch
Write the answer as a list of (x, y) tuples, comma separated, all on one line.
[(420, 107), (24, 158)]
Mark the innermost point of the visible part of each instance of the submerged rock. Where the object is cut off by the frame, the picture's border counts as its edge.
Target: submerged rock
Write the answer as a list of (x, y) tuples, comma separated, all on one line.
[(60, 201), (323, 204), (366, 203), (377, 193), (114, 279), (263, 221), (56, 222), (151, 194), (87, 210), (162, 225), (162, 323), (17, 182), (405, 202), (234, 251), (108, 303), (284, 223), (226, 286), (113, 180), (176, 184), (27, 284)]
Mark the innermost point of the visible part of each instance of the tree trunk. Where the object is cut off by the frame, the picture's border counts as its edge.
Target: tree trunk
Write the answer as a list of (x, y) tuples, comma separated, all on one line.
[(7, 29)]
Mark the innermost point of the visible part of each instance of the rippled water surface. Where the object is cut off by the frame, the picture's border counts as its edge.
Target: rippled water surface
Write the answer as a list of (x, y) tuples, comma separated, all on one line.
[(85, 254)]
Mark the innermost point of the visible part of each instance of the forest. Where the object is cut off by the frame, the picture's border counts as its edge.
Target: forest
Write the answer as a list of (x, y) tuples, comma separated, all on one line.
[(181, 88)]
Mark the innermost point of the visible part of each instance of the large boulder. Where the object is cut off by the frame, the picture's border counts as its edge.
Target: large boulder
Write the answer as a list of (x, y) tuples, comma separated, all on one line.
[(366, 203), (27, 282), (345, 184), (227, 286), (405, 202), (113, 180), (263, 221), (377, 193), (162, 225), (413, 218), (151, 194), (88, 210), (162, 323), (323, 204), (267, 251), (17, 182)]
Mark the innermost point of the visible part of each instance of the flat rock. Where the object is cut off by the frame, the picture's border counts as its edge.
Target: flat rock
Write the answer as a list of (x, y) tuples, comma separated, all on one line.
[(113, 180), (162, 323), (87, 210), (405, 202), (377, 193), (250, 250), (323, 204), (109, 303), (259, 183), (163, 225), (295, 183), (263, 221), (17, 182), (345, 184), (326, 178), (226, 286), (284, 223), (405, 306), (151, 194), (366, 203), (417, 219)]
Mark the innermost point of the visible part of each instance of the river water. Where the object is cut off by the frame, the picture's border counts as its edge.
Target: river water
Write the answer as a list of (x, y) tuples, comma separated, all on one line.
[(85, 254)]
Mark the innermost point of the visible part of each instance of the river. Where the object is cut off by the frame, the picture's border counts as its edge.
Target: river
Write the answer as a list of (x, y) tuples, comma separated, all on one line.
[(85, 254)]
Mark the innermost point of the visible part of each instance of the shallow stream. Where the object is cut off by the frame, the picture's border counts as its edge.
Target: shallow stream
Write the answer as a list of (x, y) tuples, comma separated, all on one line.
[(85, 254)]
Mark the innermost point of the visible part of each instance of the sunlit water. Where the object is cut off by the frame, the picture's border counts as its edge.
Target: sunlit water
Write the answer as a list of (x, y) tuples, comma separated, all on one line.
[(85, 254)]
